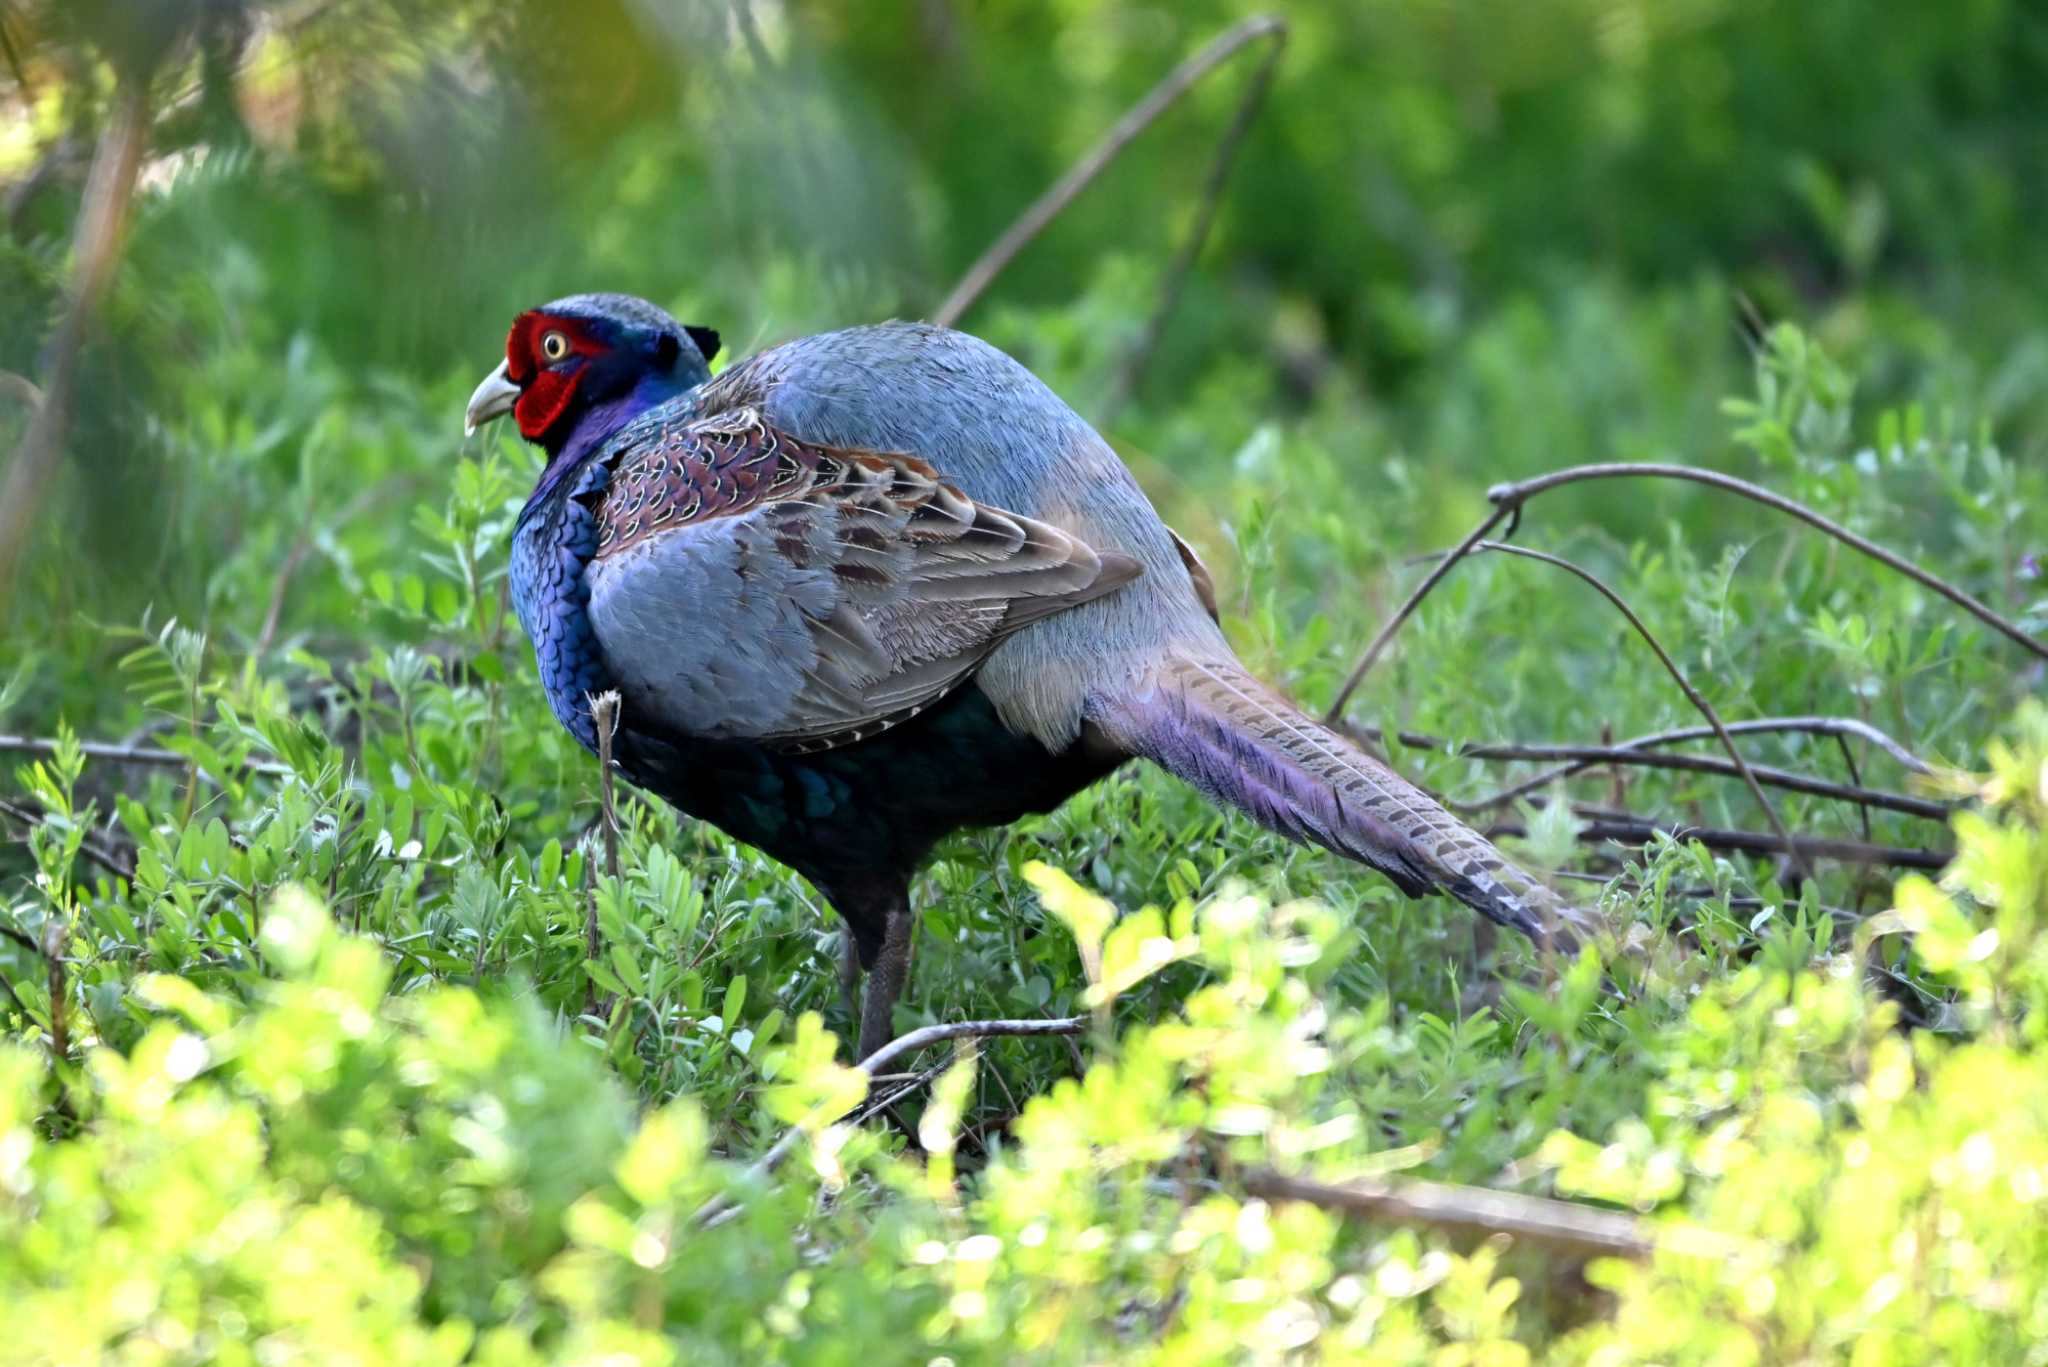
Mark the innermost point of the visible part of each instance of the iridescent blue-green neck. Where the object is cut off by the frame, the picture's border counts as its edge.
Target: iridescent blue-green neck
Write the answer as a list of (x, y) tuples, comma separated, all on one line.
[(585, 435)]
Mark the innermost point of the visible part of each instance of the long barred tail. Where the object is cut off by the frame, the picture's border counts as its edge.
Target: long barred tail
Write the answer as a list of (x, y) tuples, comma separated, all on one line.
[(1215, 726)]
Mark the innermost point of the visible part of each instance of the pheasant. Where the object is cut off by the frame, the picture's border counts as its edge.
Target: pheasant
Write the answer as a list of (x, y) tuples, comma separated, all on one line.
[(870, 587)]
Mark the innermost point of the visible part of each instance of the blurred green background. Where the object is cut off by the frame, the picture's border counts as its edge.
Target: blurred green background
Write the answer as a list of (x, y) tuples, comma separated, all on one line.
[(1493, 238)]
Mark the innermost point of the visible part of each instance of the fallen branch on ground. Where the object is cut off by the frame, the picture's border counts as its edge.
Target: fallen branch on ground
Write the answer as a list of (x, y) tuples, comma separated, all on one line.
[(1561, 1226)]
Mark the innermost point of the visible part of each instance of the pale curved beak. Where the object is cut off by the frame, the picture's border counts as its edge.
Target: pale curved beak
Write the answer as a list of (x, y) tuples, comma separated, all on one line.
[(493, 399)]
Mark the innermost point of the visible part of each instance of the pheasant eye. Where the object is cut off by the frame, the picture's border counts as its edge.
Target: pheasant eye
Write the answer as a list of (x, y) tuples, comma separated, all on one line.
[(554, 346)]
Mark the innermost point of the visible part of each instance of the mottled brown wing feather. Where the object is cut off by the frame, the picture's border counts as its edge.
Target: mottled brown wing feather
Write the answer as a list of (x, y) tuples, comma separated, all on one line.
[(924, 581)]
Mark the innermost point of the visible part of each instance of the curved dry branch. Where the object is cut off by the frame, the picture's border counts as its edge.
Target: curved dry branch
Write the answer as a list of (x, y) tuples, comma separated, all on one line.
[(1515, 495), (1507, 500), (1068, 188), (1444, 564), (1693, 695)]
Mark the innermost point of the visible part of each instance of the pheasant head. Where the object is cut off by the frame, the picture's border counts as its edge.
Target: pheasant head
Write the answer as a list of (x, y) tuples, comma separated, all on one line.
[(578, 369)]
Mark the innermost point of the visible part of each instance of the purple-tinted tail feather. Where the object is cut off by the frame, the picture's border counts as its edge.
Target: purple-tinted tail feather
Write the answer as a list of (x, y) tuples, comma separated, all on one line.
[(1213, 724)]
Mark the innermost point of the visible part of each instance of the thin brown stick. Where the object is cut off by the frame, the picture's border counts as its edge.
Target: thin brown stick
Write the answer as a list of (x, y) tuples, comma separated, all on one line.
[(1068, 187), (1176, 277), (1560, 1226), (102, 226), (1414, 600), (1583, 757), (1568, 1227), (1599, 826), (1818, 726), (302, 545), (1509, 498), (147, 755), (1515, 495), (1855, 777), (604, 711), (1693, 695), (108, 857)]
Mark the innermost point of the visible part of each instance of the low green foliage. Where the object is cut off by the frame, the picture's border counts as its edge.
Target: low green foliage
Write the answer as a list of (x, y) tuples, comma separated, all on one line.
[(325, 1064), (333, 1171)]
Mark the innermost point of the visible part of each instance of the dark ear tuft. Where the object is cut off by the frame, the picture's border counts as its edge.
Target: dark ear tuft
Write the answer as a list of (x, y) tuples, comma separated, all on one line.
[(666, 349), (706, 340)]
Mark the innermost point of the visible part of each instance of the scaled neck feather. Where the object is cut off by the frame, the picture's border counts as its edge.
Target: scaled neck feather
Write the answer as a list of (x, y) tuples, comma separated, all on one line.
[(587, 434)]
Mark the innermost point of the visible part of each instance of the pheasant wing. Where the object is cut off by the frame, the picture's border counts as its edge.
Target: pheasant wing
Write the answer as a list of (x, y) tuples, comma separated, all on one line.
[(748, 585)]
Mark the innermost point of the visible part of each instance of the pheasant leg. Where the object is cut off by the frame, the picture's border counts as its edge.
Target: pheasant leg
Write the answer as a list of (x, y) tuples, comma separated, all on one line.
[(849, 976), (886, 977)]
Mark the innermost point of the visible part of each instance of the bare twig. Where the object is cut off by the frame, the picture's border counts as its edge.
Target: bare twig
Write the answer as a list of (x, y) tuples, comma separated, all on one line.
[(1693, 695), (1401, 614), (1064, 191), (1176, 277), (912, 1083), (1635, 753), (1560, 1226), (302, 545), (109, 857), (1600, 825), (1507, 500), (1855, 777), (1515, 495), (750, 33), (102, 225), (604, 712), (939, 1034), (148, 755), (878, 1062), (1818, 726)]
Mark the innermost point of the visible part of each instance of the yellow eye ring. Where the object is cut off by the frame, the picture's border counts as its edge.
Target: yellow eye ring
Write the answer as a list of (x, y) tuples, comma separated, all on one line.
[(554, 346)]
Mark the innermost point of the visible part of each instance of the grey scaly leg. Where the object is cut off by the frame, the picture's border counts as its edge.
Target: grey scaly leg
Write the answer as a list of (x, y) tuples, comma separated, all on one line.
[(886, 977), (849, 976)]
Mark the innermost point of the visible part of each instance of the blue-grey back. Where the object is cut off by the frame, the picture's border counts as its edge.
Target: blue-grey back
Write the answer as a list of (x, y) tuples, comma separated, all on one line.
[(996, 431)]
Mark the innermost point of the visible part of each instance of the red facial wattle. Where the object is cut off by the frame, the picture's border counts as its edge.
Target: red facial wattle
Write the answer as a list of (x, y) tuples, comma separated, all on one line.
[(546, 387)]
